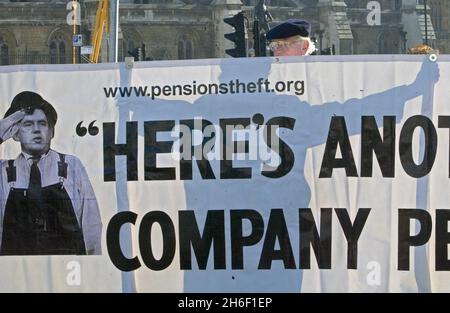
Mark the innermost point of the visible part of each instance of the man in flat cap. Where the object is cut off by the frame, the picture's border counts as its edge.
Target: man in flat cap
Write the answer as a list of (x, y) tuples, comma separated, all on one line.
[(291, 38), (47, 204)]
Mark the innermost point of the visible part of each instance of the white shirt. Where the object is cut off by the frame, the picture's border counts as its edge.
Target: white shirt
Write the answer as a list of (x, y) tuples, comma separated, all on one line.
[(77, 186)]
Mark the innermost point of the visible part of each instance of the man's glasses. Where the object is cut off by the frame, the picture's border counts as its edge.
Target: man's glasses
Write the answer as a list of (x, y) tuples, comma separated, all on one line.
[(282, 44)]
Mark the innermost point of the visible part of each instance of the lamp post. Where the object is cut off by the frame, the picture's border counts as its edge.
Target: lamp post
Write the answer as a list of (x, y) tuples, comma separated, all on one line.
[(320, 33), (74, 49), (426, 21), (403, 37), (113, 29)]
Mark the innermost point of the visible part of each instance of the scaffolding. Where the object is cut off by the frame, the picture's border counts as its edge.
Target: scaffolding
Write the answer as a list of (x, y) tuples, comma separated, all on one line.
[(101, 18)]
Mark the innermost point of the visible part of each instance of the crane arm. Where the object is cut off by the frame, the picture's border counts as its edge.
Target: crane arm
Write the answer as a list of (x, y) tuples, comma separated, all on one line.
[(101, 17)]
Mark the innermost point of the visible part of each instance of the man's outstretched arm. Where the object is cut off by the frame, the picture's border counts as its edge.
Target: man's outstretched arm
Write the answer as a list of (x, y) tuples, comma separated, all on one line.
[(389, 102)]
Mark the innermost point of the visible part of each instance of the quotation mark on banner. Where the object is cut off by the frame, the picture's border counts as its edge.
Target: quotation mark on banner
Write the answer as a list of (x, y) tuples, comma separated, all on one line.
[(92, 130)]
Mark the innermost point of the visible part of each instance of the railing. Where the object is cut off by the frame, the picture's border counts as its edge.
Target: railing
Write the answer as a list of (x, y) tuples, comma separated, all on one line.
[(23, 58)]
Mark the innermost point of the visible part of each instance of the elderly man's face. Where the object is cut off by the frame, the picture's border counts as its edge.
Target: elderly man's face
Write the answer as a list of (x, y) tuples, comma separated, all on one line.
[(291, 46), (35, 134)]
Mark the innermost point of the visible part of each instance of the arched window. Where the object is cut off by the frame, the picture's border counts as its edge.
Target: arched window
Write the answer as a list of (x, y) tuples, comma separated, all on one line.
[(57, 49), (185, 48), (128, 45), (356, 43), (62, 52), (130, 41), (53, 53), (389, 43), (4, 52)]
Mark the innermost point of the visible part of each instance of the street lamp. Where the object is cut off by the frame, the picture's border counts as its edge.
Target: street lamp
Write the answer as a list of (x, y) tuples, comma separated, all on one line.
[(320, 33), (426, 21), (403, 36)]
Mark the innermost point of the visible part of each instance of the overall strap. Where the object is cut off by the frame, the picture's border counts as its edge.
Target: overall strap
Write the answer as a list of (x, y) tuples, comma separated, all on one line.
[(62, 166), (11, 171)]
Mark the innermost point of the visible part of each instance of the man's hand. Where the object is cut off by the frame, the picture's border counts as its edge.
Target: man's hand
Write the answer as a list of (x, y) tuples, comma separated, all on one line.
[(10, 125), (427, 76)]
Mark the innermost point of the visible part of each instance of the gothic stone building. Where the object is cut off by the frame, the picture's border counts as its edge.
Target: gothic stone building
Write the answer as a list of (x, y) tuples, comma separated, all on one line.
[(38, 31)]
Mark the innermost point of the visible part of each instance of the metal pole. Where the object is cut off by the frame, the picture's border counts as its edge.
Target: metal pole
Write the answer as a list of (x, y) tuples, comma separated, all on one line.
[(426, 22), (256, 46), (113, 29), (74, 8), (320, 32)]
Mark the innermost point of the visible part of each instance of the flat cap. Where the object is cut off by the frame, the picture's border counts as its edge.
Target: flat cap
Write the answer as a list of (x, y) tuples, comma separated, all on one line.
[(28, 100), (289, 28)]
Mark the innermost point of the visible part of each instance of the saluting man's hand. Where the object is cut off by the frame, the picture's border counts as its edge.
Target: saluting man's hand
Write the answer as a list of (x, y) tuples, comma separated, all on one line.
[(10, 125)]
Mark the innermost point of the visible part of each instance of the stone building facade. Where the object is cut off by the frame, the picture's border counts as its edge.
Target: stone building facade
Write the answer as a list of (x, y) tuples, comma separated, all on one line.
[(440, 15), (37, 31)]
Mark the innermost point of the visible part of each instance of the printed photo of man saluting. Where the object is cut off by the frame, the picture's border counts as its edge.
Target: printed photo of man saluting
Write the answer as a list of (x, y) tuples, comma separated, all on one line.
[(47, 204)]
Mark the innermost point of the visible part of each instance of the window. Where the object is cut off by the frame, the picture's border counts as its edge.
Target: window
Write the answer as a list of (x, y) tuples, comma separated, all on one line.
[(57, 49), (4, 52), (388, 43), (62, 52), (131, 39), (53, 53), (128, 46), (185, 48), (436, 17)]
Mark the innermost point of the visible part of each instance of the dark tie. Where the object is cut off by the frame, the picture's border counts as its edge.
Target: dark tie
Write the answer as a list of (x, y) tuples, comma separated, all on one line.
[(35, 187), (35, 195)]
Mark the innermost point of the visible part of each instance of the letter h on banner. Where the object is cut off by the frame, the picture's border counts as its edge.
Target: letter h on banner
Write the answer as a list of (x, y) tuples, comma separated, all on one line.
[(111, 150)]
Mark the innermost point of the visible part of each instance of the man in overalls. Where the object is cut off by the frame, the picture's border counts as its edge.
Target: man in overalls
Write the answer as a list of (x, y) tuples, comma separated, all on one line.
[(47, 204)]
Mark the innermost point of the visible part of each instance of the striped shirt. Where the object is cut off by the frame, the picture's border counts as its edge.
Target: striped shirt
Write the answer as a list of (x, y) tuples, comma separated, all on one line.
[(77, 186)]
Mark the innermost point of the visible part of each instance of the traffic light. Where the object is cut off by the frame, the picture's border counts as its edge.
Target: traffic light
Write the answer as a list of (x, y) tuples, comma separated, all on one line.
[(259, 40), (238, 37), (328, 51), (135, 53), (143, 52), (138, 53), (316, 47)]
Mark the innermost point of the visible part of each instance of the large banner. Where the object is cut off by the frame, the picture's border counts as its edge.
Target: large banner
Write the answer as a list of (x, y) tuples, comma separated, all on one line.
[(309, 174)]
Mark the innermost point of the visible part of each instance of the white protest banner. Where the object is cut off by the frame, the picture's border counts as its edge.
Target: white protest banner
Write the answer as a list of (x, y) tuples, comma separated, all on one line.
[(308, 174)]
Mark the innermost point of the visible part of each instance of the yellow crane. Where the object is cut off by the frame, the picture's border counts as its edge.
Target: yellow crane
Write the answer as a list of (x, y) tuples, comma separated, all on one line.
[(101, 17)]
